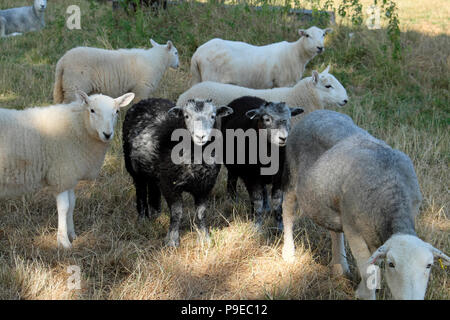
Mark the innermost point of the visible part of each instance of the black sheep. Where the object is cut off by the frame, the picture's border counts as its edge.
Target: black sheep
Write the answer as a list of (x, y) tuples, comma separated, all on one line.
[(255, 113), (147, 146)]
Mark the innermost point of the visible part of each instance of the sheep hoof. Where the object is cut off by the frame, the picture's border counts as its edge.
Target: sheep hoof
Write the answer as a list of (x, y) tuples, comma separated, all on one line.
[(72, 236), (64, 243), (173, 240), (338, 270), (288, 257)]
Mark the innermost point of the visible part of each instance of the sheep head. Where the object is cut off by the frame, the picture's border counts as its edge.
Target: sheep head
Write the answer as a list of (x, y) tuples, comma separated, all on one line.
[(330, 91), (102, 112), (200, 118), (408, 262), (275, 117)]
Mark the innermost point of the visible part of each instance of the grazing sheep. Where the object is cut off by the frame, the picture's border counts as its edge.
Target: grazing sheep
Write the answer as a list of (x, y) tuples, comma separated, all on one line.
[(16, 21), (317, 92), (278, 64), (147, 144), (254, 115), (55, 147), (351, 183), (113, 72)]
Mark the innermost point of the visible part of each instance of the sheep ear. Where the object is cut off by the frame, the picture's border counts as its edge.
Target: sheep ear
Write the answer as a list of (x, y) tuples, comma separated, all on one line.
[(169, 45), (315, 76), (438, 254), (326, 69), (380, 253), (175, 111), (328, 30), (124, 100), (223, 111), (301, 32), (252, 113), (83, 97), (296, 111), (154, 43)]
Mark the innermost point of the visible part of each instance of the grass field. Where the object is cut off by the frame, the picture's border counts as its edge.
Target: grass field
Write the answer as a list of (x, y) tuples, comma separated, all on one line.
[(404, 102)]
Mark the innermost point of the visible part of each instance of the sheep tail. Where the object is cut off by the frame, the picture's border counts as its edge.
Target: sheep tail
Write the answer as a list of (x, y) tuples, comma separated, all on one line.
[(195, 72), (58, 94)]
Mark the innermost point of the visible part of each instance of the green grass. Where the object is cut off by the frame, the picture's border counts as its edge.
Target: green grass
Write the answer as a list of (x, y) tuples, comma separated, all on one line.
[(404, 102)]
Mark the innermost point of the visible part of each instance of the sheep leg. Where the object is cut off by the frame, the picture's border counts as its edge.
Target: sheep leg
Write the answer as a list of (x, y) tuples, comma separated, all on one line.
[(288, 206), (201, 204), (176, 211), (277, 201), (141, 198), (63, 205), (255, 190), (361, 253), (232, 186), (154, 198), (2, 27), (339, 260), (70, 226), (266, 203)]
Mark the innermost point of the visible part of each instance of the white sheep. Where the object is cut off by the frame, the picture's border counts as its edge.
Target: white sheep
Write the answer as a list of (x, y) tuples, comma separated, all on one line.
[(15, 21), (351, 183), (317, 92), (278, 64), (113, 72), (54, 147)]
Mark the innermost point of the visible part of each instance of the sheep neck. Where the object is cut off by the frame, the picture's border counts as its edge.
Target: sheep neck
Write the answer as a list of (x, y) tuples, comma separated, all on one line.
[(304, 95), (39, 14), (159, 61), (303, 55)]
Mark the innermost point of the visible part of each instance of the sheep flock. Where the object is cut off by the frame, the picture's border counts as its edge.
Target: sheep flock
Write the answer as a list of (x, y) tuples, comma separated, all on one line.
[(249, 108)]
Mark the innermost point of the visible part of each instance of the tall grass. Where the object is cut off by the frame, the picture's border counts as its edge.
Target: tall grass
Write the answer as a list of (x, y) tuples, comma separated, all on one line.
[(404, 102)]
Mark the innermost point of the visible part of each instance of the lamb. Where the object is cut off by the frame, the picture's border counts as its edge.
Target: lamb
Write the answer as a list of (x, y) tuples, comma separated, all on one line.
[(113, 72), (265, 120), (152, 159), (317, 92), (354, 184), (55, 147), (16, 21), (278, 64)]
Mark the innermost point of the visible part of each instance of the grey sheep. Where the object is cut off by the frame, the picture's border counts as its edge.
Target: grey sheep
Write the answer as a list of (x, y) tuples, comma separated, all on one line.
[(15, 21), (351, 183)]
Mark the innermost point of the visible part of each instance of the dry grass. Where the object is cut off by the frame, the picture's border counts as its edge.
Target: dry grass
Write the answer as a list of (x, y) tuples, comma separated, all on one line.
[(405, 103)]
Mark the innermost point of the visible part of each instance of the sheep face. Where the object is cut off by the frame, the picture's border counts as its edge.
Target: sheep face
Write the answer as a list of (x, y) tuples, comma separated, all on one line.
[(275, 118), (408, 262), (200, 118), (174, 61), (40, 5), (102, 112), (330, 91), (313, 39)]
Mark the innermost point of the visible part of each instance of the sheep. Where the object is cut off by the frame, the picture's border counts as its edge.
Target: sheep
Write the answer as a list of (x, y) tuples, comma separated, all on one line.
[(278, 64), (113, 72), (254, 115), (149, 3), (16, 21), (54, 147), (351, 183), (317, 92), (151, 160)]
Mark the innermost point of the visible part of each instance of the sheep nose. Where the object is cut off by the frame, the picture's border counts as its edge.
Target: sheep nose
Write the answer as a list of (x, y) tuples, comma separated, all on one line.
[(107, 135), (282, 139), (200, 137), (320, 49), (345, 101)]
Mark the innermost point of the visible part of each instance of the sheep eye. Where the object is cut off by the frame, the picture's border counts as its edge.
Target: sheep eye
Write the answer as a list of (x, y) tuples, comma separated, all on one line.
[(307, 35), (92, 111), (429, 266), (186, 117), (328, 86), (213, 117), (391, 265)]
